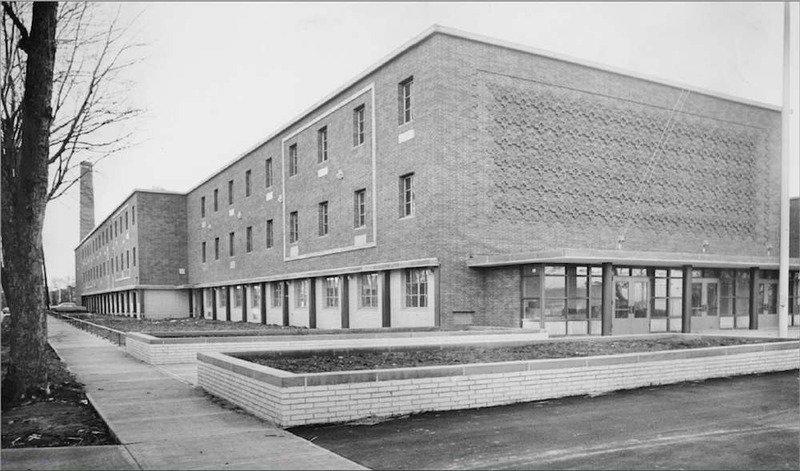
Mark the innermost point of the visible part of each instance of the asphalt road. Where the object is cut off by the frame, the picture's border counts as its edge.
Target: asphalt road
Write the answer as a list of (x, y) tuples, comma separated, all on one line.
[(747, 422)]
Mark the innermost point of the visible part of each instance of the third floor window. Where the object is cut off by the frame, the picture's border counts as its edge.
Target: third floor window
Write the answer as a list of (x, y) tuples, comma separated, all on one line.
[(293, 160), (322, 145)]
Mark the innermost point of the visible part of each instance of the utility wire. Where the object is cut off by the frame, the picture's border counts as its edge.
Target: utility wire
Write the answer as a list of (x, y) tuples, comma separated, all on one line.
[(677, 108)]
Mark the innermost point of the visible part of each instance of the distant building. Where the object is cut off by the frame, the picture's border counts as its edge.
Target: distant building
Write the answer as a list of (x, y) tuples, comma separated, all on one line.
[(465, 180)]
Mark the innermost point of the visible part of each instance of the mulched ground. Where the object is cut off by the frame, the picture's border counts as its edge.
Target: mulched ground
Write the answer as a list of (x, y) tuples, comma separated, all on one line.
[(367, 360), (64, 418)]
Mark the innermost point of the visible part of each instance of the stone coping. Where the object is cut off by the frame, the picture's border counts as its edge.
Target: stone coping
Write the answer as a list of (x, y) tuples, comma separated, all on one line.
[(152, 338), (286, 379)]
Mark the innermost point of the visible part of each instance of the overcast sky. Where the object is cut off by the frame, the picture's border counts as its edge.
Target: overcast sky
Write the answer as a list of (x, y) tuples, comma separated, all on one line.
[(219, 77)]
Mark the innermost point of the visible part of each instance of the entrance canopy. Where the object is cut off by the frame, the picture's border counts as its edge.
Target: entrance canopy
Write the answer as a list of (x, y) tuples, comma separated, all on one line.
[(626, 257)]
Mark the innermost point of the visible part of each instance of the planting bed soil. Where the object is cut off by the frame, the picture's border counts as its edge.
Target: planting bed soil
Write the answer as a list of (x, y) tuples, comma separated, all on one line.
[(131, 324), (371, 359), (64, 418)]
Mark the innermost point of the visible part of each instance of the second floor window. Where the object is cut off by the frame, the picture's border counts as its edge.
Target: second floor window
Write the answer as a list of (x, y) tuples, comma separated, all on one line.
[(323, 218), (293, 160), (270, 240), (407, 195), (358, 126), (268, 172), (322, 145), (231, 244), (294, 233), (202, 206), (247, 188), (249, 239), (230, 192), (216, 200), (404, 100), (204, 252), (359, 208), (216, 248)]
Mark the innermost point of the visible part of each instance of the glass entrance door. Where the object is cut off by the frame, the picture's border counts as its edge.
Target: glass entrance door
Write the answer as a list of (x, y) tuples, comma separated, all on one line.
[(631, 306), (705, 304)]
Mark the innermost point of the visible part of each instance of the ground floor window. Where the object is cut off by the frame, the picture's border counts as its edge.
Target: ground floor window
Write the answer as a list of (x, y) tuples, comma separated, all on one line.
[(222, 295), (277, 294), (368, 290), (237, 296), (332, 291), (300, 293), (416, 287), (255, 296)]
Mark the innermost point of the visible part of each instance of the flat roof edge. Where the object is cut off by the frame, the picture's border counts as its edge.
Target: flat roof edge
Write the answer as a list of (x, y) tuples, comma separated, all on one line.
[(124, 200), (621, 257)]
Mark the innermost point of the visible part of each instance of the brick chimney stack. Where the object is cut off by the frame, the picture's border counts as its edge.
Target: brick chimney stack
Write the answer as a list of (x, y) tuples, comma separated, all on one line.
[(87, 199)]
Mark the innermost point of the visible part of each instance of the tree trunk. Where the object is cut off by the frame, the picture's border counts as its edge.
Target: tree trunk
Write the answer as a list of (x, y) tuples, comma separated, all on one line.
[(24, 198)]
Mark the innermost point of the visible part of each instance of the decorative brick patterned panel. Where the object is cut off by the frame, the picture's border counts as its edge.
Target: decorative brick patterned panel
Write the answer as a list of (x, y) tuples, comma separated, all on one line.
[(578, 158)]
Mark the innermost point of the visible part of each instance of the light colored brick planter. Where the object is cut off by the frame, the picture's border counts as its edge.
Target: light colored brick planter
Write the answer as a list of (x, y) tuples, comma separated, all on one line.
[(289, 399), (160, 351)]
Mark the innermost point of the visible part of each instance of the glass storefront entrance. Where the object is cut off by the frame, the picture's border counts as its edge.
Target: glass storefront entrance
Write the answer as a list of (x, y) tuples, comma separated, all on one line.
[(567, 299)]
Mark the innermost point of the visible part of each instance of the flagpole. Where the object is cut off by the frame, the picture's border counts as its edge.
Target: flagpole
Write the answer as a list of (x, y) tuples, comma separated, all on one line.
[(783, 272)]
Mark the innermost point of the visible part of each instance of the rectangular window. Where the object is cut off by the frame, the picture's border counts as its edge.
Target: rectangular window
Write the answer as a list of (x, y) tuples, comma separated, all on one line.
[(323, 218), (126, 220), (247, 176), (115, 228), (249, 241), (204, 252), (358, 126), (230, 192), (222, 295), (277, 294), (133, 215), (216, 199), (332, 291), (268, 172), (404, 100), (294, 234), (231, 246), (202, 206), (368, 290), (270, 240), (237, 296), (255, 296), (407, 195), (322, 145), (216, 248), (359, 208), (134, 256), (416, 287), (300, 293), (127, 259), (293, 160)]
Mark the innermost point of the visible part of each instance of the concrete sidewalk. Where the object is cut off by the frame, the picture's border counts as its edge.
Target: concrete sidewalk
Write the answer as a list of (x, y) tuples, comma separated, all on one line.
[(162, 421)]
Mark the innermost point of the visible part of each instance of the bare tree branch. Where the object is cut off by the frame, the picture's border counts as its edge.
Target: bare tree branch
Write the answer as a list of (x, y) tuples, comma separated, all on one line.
[(23, 31)]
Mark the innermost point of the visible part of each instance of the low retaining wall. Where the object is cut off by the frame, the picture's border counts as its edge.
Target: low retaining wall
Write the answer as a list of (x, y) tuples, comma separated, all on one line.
[(289, 399), (114, 336), (160, 351)]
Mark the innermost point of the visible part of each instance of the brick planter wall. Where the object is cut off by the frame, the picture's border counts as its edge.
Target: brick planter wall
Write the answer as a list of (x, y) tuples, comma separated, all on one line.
[(290, 399), (160, 351)]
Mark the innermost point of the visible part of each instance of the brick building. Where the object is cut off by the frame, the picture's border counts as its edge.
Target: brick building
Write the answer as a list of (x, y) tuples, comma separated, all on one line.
[(464, 180)]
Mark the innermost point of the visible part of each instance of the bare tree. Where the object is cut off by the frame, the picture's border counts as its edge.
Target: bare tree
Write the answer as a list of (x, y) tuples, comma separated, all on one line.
[(91, 109), (24, 198), (89, 116)]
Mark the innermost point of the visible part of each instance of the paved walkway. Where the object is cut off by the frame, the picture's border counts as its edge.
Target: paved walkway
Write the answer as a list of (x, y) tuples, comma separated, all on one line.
[(162, 421)]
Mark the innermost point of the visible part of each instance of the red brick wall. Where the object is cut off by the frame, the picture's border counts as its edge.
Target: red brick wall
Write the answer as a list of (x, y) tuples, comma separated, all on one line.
[(162, 239)]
